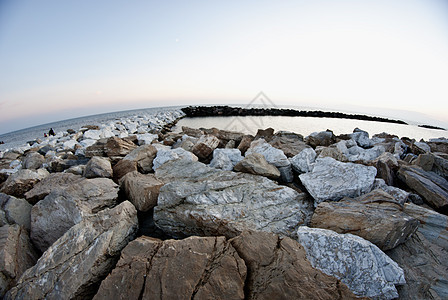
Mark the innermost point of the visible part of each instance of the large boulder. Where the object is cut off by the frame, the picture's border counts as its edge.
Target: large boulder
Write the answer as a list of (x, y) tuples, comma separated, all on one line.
[(65, 207), (375, 217), (21, 182), (166, 154), (361, 137), (33, 161), (225, 159), (74, 265), (199, 200), (273, 156), (98, 167), (256, 164), (16, 255), (333, 180), (49, 183), (358, 263), (429, 185), (143, 156), (205, 146), (290, 144), (303, 161), (323, 138), (278, 269), (16, 210), (196, 267), (141, 190), (118, 147)]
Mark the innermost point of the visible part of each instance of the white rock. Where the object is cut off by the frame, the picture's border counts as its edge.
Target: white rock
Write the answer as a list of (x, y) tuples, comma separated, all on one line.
[(87, 143), (146, 138), (106, 133), (225, 159), (92, 134), (165, 154), (362, 138), (70, 144), (303, 162)]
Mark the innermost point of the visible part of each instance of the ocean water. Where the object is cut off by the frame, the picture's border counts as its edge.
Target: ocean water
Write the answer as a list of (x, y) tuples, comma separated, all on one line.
[(308, 125)]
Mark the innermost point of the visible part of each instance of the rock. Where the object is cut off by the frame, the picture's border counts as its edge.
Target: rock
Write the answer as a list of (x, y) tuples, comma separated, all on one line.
[(224, 135), (361, 137), (166, 154), (16, 255), (199, 200), (92, 134), (225, 159), (290, 144), (146, 138), (141, 190), (265, 134), (256, 164), (98, 167), (386, 165), (323, 138), (49, 183), (421, 148), (65, 207), (374, 217), (432, 187), (278, 269), (193, 268), (361, 265), (33, 161), (438, 145), (440, 166), (69, 270), (303, 162), (230, 145), (192, 131), (22, 181), (97, 149), (118, 147), (332, 152), (245, 143), (398, 194), (333, 180), (124, 167), (16, 211), (425, 161), (205, 145), (273, 156), (143, 156)]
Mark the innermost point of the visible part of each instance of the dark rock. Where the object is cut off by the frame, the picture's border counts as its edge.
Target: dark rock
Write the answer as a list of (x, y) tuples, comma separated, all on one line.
[(204, 147), (323, 138), (123, 167), (22, 181), (266, 134), (118, 147), (16, 210), (245, 143)]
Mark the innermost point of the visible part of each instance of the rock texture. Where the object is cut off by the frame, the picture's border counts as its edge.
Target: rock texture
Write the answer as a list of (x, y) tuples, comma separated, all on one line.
[(49, 183), (73, 270), (256, 164), (193, 268), (303, 162), (21, 182), (362, 266), (225, 159), (333, 180), (16, 255), (199, 200), (141, 190), (98, 167), (291, 144), (375, 218)]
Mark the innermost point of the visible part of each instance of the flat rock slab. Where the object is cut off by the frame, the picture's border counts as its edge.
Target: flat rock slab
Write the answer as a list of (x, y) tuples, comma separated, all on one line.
[(358, 263), (193, 268), (199, 200), (76, 263), (334, 180)]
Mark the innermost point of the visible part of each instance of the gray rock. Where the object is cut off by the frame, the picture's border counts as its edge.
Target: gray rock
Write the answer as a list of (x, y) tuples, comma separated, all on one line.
[(440, 166), (425, 161), (74, 265), (333, 180), (16, 211), (49, 183), (166, 154), (398, 194), (33, 161), (323, 138), (21, 182), (98, 167), (423, 147), (118, 147), (199, 200), (225, 159), (65, 207), (143, 156), (361, 137), (256, 164), (141, 190), (358, 263), (303, 162)]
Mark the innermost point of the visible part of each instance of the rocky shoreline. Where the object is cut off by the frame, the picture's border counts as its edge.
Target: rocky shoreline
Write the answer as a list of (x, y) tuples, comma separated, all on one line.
[(130, 210)]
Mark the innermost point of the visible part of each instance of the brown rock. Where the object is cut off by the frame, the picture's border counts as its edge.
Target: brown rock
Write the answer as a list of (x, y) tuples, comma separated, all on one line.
[(255, 163), (124, 167), (97, 149), (291, 145), (323, 138), (386, 165), (98, 167), (205, 146), (331, 152), (245, 143), (118, 147), (225, 135), (438, 146), (143, 156), (22, 181), (141, 190), (192, 131), (50, 183), (266, 134), (193, 268), (425, 161)]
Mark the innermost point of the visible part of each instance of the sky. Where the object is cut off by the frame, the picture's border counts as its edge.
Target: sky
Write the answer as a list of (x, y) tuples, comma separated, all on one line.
[(65, 59)]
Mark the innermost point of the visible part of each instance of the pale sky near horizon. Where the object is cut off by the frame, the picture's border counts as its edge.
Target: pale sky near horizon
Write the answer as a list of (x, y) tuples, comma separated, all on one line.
[(65, 59)]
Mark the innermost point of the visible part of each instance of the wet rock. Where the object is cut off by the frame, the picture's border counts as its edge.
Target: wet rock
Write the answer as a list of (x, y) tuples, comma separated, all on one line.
[(70, 270), (33, 161), (98, 167), (118, 147), (333, 180), (375, 217), (141, 190), (196, 267), (303, 162), (16, 210), (225, 159), (22, 181), (49, 183), (205, 145), (199, 200), (361, 265), (432, 187), (256, 164), (16, 255)]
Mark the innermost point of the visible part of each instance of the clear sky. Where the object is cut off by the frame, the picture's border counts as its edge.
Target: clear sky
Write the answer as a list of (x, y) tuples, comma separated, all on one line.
[(64, 59)]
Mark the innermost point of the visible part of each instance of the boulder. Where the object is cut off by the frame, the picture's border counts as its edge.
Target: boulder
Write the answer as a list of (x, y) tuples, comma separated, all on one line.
[(361, 138), (49, 183), (429, 185), (124, 167), (332, 152), (386, 165), (273, 156), (224, 135), (192, 131), (167, 154), (97, 149), (425, 161), (440, 166), (278, 269), (141, 190), (265, 134), (199, 200), (118, 147), (98, 167), (16, 255), (193, 268), (375, 217), (245, 143), (22, 181), (225, 159), (333, 180), (290, 144), (358, 263), (323, 138), (205, 146), (303, 162), (399, 195), (33, 161), (73, 267), (256, 164), (143, 156), (438, 145), (146, 138), (65, 207), (16, 210)]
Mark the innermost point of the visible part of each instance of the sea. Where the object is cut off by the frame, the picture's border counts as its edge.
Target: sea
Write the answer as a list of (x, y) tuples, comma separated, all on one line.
[(246, 124)]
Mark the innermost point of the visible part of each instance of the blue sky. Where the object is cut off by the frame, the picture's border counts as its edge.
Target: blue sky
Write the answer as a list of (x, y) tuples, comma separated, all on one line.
[(64, 59)]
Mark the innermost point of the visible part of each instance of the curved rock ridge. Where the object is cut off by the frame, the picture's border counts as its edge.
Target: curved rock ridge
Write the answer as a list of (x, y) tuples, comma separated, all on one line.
[(361, 265), (199, 200)]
